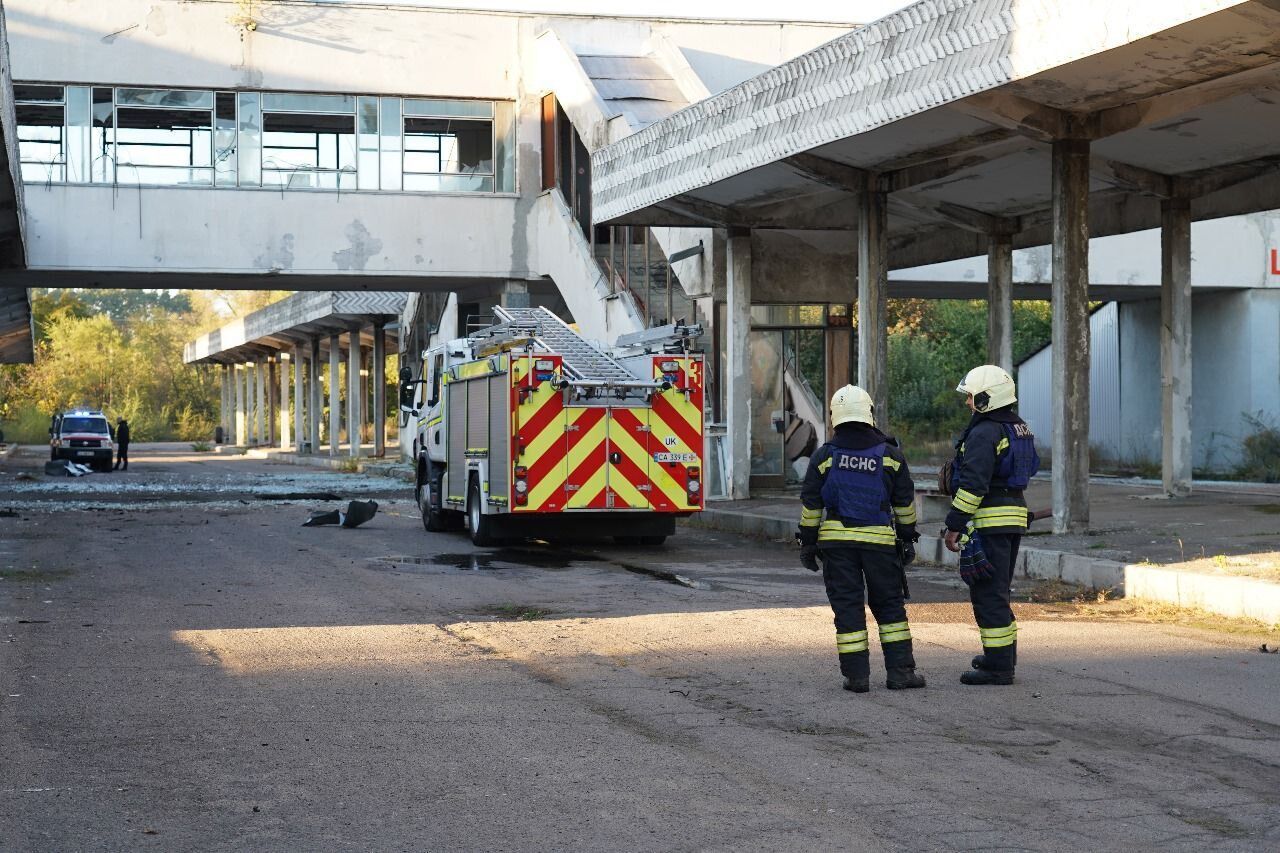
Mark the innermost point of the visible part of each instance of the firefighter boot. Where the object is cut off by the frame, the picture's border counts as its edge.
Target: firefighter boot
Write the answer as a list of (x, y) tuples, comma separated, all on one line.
[(993, 667), (899, 658), (987, 677), (856, 669), (903, 678), (980, 661)]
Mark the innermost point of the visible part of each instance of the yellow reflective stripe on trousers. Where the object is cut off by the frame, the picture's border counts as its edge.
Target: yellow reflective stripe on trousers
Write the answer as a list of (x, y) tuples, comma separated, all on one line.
[(810, 517), (852, 641), (995, 638), (1000, 516), (966, 501), (835, 531), (905, 514), (895, 632)]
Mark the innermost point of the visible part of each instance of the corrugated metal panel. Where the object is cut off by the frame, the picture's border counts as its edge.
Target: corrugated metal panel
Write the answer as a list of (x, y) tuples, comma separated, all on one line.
[(1034, 391), (1104, 380), (642, 113), (1035, 385), (477, 414), (652, 90), (499, 435), (623, 67), (456, 429)]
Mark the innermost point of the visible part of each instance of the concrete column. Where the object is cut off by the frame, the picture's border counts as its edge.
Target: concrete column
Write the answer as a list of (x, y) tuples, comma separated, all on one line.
[(260, 385), (873, 297), (355, 411), (514, 294), (1070, 335), (379, 390), (228, 404), (737, 373), (1175, 345), (286, 416), (241, 436), (315, 404), (365, 358), (273, 367), (1000, 301), (250, 402), (335, 396), (299, 400), (224, 385)]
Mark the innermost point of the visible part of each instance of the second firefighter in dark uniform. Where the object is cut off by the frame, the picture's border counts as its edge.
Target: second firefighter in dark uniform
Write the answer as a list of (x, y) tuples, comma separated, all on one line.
[(859, 503), (995, 460)]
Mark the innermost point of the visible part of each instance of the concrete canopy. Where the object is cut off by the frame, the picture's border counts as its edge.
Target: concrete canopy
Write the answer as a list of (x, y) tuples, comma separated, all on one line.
[(951, 106), (17, 338), (297, 319)]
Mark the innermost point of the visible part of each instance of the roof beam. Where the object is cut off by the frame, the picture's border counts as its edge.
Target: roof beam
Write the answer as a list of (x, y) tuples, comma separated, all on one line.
[(929, 171), (1024, 116), (1168, 105), (960, 216), (703, 213), (829, 173)]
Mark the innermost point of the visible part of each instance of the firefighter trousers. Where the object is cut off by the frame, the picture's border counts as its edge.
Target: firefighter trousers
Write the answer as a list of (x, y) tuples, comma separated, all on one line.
[(855, 577), (990, 599)]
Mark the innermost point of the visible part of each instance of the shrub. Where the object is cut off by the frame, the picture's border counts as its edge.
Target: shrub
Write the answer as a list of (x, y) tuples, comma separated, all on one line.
[(1261, 451)]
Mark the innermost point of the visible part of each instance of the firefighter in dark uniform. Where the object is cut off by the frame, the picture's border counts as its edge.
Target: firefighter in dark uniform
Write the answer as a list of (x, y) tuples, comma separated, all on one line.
[(859, 480), (995, 459)]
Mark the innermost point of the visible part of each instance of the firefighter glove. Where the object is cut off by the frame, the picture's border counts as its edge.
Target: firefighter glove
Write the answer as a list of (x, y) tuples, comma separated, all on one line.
[(974, 565)]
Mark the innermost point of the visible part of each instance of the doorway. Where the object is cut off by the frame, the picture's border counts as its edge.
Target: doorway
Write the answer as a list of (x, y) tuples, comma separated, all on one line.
[(787, 350)]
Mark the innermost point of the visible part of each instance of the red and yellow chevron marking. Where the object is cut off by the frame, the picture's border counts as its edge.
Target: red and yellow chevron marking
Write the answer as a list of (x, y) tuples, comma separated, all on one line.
[(539, 432), (607, 457), (586, 434), (675, 427)]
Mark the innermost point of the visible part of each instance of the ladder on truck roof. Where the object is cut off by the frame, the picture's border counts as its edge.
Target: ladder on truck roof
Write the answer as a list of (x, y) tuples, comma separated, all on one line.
[(581, 359)]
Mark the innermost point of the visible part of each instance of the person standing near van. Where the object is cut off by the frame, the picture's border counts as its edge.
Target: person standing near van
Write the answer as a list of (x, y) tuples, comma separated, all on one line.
[(122, 445)]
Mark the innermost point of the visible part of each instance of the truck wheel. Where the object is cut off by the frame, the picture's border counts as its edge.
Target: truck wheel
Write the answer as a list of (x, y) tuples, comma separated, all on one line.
[(434, 520), (479, 525)]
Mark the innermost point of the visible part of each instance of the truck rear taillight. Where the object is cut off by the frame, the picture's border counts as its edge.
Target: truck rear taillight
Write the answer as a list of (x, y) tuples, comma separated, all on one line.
[(522, 485), (694, 485)]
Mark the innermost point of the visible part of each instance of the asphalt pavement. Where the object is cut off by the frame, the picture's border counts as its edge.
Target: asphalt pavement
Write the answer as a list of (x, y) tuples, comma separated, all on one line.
[(183, 666)]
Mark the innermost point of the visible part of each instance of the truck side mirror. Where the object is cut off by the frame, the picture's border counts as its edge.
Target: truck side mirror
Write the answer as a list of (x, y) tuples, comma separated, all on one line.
[(407, 388)]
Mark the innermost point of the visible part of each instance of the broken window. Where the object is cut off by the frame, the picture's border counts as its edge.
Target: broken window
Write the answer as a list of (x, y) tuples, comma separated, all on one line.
[(186, 137), (307, 151), (41, 132), (224, 140), (450, 149)]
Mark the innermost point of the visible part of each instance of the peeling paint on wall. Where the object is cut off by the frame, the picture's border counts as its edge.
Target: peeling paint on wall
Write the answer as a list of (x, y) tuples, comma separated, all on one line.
[(156, 22), (278, 256), (361, 247)]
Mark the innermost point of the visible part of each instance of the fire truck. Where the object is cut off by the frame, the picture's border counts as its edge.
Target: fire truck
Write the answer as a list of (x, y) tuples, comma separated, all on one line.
[(525, 429)]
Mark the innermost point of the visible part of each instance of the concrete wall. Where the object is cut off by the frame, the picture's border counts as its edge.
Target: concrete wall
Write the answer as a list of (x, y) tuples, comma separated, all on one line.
[(1235, 342), (1233, 251), (262, 231)]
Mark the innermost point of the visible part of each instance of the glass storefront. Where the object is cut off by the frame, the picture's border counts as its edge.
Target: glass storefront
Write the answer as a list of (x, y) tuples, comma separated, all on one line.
[(195, 138)]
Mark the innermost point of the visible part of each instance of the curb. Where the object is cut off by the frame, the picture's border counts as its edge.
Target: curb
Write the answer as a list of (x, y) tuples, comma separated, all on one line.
[(1227, 595), (8, 450), (335, 463)]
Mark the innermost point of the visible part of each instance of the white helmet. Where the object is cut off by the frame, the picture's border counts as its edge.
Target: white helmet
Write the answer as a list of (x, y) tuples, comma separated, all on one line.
[(990, 386), (852, 404)]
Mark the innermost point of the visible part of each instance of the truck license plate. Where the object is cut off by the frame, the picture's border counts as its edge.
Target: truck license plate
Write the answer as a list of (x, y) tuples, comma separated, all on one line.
[(675, 457), (84, 453)]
